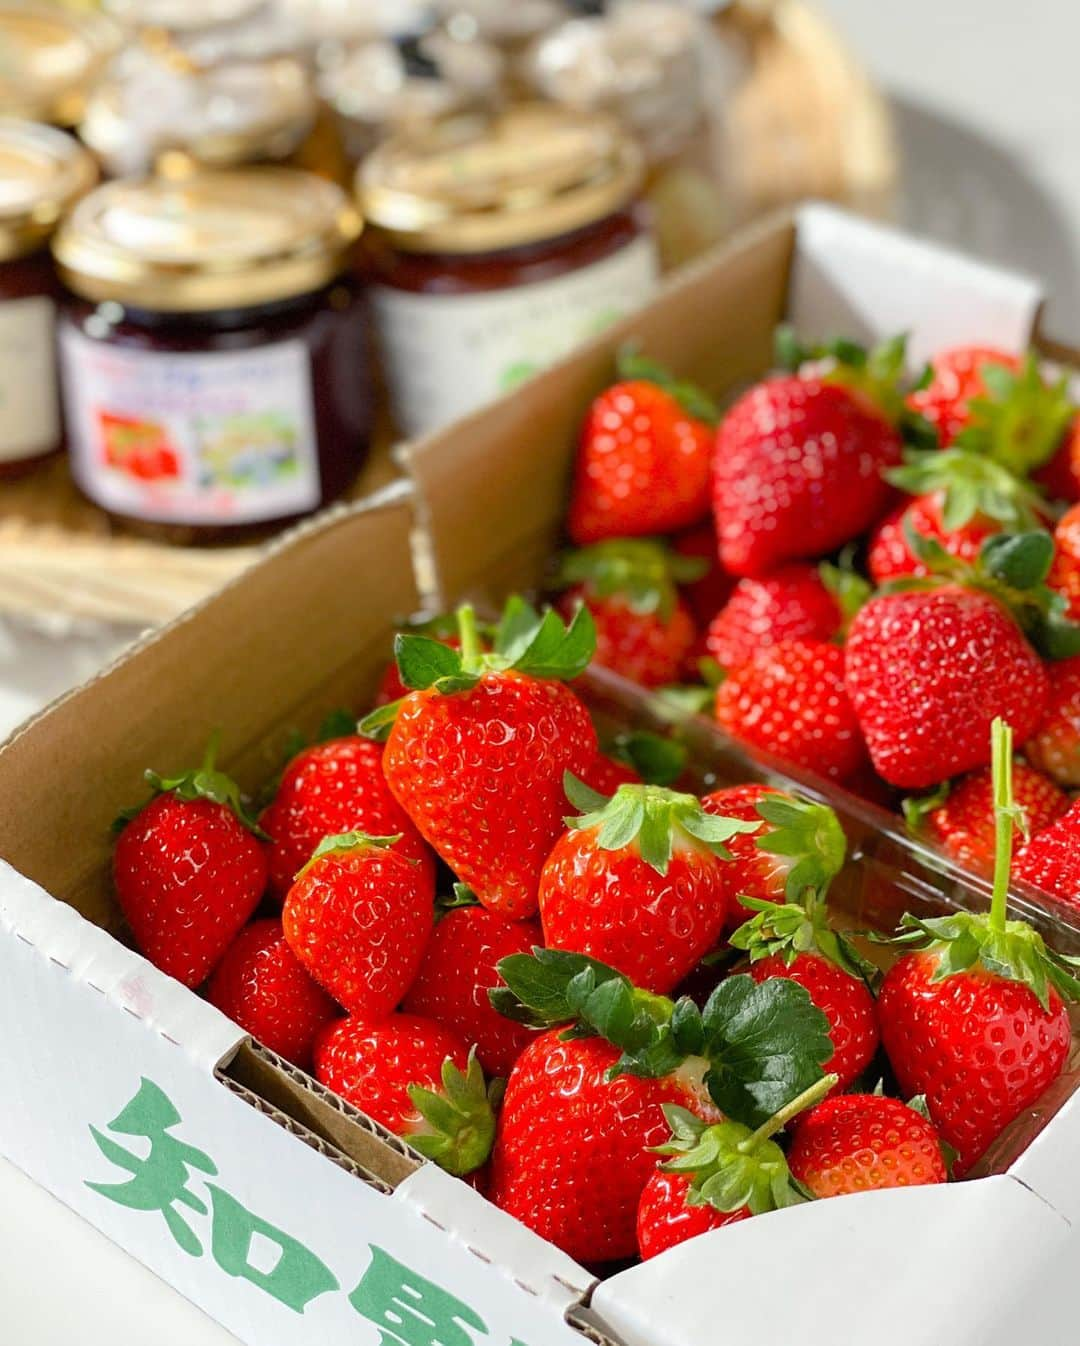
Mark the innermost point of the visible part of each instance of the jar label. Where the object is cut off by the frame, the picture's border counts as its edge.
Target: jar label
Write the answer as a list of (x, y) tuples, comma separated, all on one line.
[(29, 406), (226, 437), (445, 355)]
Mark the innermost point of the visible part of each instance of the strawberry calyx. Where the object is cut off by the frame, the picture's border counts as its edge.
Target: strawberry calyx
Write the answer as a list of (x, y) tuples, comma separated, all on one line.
[(348, 843), (204, 782), (731, 1166), (917, 808), (539, 645), (877, 374), (640, 571), (1012, 568), (1020, 421), (657, 819), (809, 834), (461, 895), (457, 1129), (633, 367), (970, 485), (756, 1046), (1009, 949)]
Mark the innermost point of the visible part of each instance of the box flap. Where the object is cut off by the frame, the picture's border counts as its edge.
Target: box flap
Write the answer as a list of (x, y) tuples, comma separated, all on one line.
[(956, 1255), (856, 279)]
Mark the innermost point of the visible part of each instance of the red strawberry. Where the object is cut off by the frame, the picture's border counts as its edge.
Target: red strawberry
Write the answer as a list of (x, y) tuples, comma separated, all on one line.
[(1060, 477), (358, 918), (189, 871), (890, 557), (572, 1153), (1050, 861), (476, 755), (638, 882), (863, 1142), (708, 594), (262, 986), (784, 604), (329, 789), (1064, 576), (415, 1078), (664, 1218), (995, 403), (957, 377), (643, 628), (960, 816), (797, 472), (456, 974), (974, 1018), (927, 671), (643, 460), (756, 872), (1055, 746), (791, 937), (790, 700), (717, 1174), (605, 774)]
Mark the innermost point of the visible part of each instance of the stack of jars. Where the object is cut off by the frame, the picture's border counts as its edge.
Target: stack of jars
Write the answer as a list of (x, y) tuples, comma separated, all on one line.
[(485, 183)]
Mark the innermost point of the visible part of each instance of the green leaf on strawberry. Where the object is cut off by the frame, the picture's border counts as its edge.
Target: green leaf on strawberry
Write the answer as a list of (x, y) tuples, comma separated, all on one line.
[(458, 1127), (345, 843), (204, 782), (1020, 421), (633, 367), (971, 484), (657, 760), (641, 571)]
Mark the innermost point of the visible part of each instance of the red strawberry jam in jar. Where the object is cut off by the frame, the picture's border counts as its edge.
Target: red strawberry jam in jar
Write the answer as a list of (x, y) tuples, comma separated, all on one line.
[(213, 349), (499, 244), (42, 171)]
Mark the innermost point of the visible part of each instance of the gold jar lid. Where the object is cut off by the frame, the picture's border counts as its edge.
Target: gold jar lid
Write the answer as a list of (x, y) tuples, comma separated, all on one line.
[(49, 58), (42, 172), (207, 239), (473, 184), (234, 113)]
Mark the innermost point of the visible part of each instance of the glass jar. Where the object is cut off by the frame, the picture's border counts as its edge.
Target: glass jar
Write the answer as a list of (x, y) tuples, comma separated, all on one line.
[(643, 61), (42, 171), (213, 359), (510, 27), (499, 245), (155, 100), (50, 60)]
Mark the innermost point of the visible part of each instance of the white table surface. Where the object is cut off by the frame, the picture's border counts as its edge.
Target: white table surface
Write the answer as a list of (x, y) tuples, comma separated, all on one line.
[(988, 104)]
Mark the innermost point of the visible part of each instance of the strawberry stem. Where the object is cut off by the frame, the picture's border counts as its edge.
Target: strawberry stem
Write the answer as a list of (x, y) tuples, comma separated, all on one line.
[(213, 746), (470, 636), (1001, 739), (779, 1120)]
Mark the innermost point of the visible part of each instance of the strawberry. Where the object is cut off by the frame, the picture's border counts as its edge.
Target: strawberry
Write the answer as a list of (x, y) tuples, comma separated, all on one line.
[(959, 815), (442, 628), (1054, 748), (717, 1174), (391, 688), (643, 459), (643, 628), (973, 1016), (638, 882), (1060, 477), (1064, 576), (417, 1079), (665, 1218), (796, 601), (863, 1142), (189, 868), (799, 459), (605, 774), (1050, 861), (792, 938), (358, 918), (477, 751), (790, 700), (756, 872), (262, 986), (458, 970), (996, 404), (707, 594), (572, 1153), (927, 670), (329, 789)]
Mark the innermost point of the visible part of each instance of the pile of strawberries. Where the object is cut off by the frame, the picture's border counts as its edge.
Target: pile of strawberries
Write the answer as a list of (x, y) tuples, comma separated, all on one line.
[(889, 565), (617, 1008)]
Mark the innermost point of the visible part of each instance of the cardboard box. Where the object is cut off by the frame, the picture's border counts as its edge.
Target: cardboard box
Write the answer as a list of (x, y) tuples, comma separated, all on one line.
[(273, 1205)]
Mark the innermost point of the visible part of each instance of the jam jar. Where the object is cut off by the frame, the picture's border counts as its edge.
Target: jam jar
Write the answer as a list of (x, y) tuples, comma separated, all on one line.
[(42, 171), (49, 59), (498, 246), (213, 361)]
